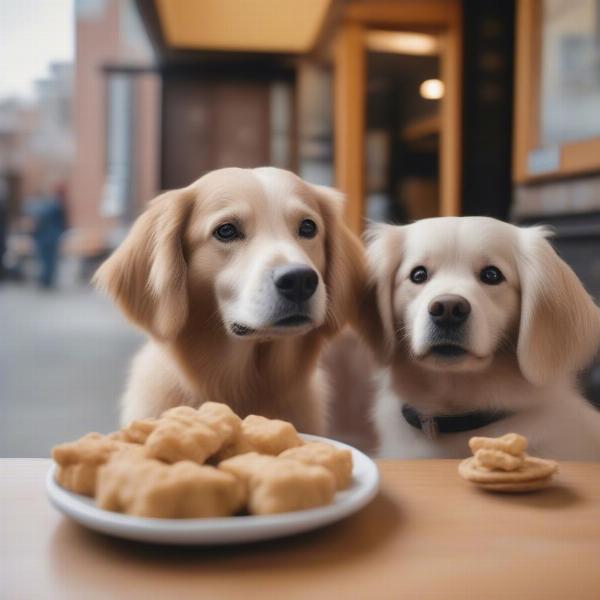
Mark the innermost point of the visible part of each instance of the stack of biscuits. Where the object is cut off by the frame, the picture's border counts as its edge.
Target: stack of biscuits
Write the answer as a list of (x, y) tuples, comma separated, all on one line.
[(204, 462), (501, 465)]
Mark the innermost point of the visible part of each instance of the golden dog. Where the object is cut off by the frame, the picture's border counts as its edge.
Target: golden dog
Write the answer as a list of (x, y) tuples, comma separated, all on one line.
[(238, 279)]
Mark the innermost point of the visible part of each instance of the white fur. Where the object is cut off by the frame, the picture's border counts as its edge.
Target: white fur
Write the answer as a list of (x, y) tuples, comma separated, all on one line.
[(527, 338)]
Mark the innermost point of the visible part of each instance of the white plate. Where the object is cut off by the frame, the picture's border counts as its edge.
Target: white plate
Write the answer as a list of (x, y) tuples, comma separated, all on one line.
[(227, 530)]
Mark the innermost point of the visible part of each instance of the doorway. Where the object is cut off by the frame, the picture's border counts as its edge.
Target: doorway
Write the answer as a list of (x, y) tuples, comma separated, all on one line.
[(402, 126), (398, 151)]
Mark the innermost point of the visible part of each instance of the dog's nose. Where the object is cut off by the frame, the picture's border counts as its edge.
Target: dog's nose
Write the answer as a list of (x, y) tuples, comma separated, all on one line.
[(295, 282), (449, 309)]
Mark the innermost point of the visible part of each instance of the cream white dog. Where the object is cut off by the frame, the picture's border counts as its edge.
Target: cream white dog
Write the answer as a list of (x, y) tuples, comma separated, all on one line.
[(484, 329), (238, 279)]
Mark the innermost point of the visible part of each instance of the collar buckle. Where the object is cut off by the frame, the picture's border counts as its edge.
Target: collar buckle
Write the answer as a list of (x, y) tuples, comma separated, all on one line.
[(429, 426)]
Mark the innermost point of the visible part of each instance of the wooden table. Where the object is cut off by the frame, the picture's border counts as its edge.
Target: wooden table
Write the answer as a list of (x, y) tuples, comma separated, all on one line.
[(427, 535)]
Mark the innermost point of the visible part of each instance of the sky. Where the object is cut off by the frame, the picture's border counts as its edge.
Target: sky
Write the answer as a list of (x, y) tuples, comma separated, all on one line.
[(33, 33)]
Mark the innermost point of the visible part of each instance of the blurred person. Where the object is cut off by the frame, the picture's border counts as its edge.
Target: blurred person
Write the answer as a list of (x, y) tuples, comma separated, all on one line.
[(48, 213), (4, 197)]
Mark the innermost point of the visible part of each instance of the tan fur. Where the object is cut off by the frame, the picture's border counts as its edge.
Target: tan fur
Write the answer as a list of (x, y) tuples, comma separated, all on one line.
[(559, 329), (175, 281)]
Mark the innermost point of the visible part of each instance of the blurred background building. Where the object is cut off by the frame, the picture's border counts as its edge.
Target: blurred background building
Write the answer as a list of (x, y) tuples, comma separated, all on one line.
[(36, 138), (413, 108), (116, 120)]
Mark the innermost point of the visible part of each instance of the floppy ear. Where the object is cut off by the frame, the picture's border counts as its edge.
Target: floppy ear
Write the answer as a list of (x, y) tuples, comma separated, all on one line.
[(345, 273), (384, 255), (559, 329), (146, 275)]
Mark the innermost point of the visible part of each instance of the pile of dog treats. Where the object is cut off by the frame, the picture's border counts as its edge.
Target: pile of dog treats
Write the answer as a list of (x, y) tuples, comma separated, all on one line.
[(204, 462)]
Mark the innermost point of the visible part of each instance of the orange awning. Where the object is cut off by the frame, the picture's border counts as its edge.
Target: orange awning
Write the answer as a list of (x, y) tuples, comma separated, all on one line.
[(242, 25)]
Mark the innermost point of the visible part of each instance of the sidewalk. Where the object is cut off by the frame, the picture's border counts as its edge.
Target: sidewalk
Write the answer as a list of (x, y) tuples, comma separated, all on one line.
[(63, 362)]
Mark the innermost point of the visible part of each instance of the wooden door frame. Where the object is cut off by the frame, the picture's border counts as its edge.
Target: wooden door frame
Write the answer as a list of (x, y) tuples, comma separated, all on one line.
[(443, 16)]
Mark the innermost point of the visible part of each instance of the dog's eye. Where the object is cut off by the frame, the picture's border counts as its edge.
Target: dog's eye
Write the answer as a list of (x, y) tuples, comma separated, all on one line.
[(491, 275), (418, 275), (307, 228), (227, 232)]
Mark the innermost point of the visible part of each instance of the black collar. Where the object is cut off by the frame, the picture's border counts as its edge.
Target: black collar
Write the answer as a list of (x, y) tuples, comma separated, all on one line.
[(433, 425)]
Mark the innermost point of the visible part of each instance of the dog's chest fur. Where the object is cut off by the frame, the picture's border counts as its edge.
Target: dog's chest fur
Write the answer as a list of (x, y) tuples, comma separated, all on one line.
[(272, 378)]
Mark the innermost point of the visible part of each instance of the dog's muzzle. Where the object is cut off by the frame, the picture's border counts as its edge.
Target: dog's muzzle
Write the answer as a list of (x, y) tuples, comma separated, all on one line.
[(295, 284)]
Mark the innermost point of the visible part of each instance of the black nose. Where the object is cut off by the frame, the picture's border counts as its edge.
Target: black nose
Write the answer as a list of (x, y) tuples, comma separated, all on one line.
[(449, 309), (295, 282)]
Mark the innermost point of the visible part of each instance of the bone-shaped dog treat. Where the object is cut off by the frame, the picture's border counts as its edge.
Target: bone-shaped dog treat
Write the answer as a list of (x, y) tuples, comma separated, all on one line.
[(496, 459), (511, 443)]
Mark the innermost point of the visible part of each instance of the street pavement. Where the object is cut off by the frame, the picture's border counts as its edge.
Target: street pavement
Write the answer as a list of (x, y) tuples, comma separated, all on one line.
[(64, 357)]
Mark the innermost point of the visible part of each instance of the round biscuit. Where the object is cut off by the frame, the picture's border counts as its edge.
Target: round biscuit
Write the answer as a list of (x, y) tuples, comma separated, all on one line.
[(532, 469), (516, 487)]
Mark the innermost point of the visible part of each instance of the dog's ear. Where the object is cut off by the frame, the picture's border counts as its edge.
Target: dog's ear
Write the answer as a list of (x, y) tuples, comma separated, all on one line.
[(559, 329), (385, 245), (345, 273), (147, 274)]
